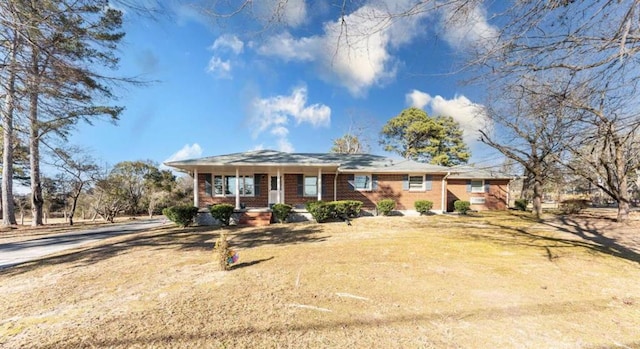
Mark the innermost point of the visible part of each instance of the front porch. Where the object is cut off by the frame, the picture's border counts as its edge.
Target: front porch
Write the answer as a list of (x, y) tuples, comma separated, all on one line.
[(249, 188)]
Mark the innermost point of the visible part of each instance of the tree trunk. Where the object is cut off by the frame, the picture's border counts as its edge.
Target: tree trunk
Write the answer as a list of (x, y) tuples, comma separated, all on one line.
[(537, 197), (623, 195), (8, 209), (34, 142)]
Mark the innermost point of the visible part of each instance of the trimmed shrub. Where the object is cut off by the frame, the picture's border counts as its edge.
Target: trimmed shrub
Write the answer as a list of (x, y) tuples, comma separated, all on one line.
[(222, 212), (182, 215), (281, 211), (322, 211), (423, 206), (346, 208), (462, 206), (385, 206), (521, 204), (319, 210)]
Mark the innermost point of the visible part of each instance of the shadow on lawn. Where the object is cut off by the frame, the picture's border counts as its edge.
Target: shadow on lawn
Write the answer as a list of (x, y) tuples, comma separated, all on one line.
[(173, 238), (584, 233), (182, 337)]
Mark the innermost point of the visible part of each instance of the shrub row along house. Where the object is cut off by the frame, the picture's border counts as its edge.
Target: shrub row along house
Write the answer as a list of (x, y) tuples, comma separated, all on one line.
[(259, 179)]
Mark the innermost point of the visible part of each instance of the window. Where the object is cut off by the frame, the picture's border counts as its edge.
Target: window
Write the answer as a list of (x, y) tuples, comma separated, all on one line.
[(477, 186), (362, 182), (217, 185), (416, 183), (310, 186), (246, 185)]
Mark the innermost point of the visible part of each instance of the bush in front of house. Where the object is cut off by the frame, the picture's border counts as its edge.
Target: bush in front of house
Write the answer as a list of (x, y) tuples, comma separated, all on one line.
[(461, 206), (346, 208), (182, 215), (521, 204), (423, 206), (385, 206), (319, 210), (323, 211), (222, 212), (281, 212)]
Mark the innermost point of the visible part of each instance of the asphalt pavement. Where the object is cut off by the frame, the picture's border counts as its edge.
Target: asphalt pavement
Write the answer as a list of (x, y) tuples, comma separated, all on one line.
[(15, 253)]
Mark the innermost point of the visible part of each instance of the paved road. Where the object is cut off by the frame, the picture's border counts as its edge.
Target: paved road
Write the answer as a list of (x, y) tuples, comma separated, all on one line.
[(14, 253)]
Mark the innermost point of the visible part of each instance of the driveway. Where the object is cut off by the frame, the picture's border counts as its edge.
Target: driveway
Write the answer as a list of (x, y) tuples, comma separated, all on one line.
[(14, 253)]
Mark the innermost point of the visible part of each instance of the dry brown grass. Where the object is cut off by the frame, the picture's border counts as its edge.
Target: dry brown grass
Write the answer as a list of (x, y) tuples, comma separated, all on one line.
[(494, 280)]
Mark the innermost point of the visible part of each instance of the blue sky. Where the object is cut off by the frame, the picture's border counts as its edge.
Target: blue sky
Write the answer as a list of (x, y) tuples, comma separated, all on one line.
[(226, 88)]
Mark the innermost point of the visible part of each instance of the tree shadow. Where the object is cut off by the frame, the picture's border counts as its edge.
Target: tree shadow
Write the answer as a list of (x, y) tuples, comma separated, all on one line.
[(248, 264), (199, 238), (583, 233)]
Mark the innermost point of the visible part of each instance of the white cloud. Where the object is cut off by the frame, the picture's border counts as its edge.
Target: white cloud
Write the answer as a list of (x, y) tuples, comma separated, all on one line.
[(273, 115), (469, 115), (219, 68), (187, 152), (467, 28), (291, 12), (230, 42), (418, 99), (354, 53)]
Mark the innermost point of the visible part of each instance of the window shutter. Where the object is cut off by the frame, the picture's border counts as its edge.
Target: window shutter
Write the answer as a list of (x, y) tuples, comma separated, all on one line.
[(469, 186), (324, 187), (350, 179), (374, 182), (300, 185), (486, 186), (405, 182), (428, 183), (208, 186), (256, 184)]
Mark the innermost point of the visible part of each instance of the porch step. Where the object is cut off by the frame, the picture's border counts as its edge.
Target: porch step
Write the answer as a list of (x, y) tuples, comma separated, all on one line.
[(255, 219)]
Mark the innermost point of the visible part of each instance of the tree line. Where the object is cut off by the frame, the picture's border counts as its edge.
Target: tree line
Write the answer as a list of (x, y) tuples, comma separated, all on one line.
[(55, 59)]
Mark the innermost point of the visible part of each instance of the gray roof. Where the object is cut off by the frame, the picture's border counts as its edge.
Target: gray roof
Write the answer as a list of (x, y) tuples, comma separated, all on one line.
[(352, 163), (470, 172)]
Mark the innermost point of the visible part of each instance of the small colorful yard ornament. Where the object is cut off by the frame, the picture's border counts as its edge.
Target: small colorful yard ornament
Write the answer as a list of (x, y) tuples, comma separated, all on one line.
[(225, 255)]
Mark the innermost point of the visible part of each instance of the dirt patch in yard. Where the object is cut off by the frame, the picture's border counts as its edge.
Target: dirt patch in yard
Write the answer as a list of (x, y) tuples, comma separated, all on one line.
[(491, 280)]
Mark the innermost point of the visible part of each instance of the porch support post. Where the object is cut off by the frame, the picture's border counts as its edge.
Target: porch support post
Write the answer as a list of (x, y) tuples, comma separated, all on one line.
[(195, 187), (443, 200), (319, 184), (237, 189), (278, 187)]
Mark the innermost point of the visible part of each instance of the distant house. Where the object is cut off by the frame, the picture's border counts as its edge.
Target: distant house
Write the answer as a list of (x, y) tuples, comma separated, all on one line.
[(259, 179)]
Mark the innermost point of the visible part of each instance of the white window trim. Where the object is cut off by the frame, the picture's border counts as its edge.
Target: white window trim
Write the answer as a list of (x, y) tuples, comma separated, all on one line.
[(370, 182), (424, 181), (232, 195), (481, 190), (304, 186)]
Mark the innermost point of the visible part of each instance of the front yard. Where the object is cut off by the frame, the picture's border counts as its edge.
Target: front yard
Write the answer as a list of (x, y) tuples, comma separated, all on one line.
[(491, 280)]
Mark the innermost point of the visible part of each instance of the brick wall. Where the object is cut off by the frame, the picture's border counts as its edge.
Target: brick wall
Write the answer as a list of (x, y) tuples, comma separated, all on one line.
[(390, 187), (495, 199), (260, 200)]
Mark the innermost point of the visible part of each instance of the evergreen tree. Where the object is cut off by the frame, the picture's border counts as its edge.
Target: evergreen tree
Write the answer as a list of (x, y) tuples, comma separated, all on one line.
[(415, 135)]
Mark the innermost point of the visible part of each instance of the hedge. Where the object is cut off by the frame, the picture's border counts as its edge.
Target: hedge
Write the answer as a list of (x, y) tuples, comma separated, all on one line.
[(423, 206), (462, 206), (281, 212), (322, 211)]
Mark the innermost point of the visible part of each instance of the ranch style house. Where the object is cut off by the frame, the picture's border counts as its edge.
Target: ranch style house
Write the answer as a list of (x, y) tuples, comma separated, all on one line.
[(258, 179)]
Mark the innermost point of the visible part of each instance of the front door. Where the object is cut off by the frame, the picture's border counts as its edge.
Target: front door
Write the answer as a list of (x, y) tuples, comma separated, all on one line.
[(275, 196)]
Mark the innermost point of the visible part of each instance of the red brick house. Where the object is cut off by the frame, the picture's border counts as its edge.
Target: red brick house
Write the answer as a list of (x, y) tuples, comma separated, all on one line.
[(258, 179)]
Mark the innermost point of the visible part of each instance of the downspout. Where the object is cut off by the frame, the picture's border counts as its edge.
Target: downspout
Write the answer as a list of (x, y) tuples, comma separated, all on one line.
[(443, 196)]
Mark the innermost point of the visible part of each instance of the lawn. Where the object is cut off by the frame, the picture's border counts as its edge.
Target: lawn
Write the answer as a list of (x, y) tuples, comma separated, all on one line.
[(489, 280)]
